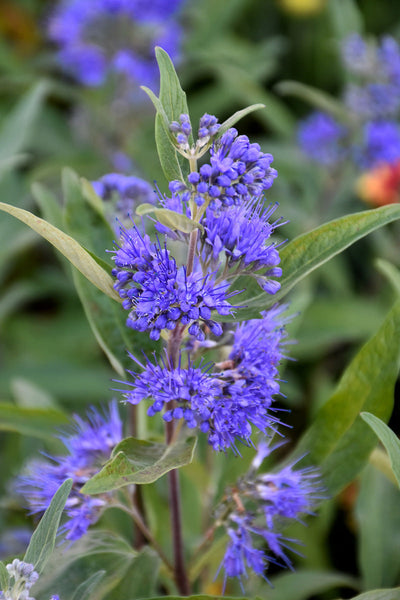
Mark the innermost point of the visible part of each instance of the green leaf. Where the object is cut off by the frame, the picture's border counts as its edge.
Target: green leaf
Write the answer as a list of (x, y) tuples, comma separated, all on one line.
[(390, 272), (305, 583), (176, 221), (170, 105), (313, 96), (85, 221), (43, 539), (36, 422), (388, 438), (18, 126), (29, 395), (380, 460), (198, 597), (172, 96), (346, 18), (49, 206), (378, 530), (338, 441), (78, 256), (171, 161), (145, 209), (237, 116), (86, 589), (310, 250), (96, 550), (84, 218), (393, 594), (107, 320), (141, 580), (350, 319), (4, 577), (140, 462)]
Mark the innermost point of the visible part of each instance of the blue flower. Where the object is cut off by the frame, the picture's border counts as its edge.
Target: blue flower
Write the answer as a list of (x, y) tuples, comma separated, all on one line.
[(182, 130), (389, 59), (226, 404), (191, 392), (322, 138), (89, 446), (126, 192), (160, 295), (288, 493), (225, 411), (238, 170), (358, 57), (372, 101), (240, 554), (102, 36), (258, 508), (242, 233), (380, 144)]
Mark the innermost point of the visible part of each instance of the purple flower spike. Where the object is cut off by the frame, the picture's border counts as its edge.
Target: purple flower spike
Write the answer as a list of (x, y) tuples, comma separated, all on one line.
[(159, 294), (89, 447)]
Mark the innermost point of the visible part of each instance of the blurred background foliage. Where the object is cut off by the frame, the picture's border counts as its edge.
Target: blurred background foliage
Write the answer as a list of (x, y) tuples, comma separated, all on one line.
[(234, 53)]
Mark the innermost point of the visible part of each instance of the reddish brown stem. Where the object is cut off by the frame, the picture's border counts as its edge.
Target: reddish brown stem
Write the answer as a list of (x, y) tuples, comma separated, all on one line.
[(180, 574)]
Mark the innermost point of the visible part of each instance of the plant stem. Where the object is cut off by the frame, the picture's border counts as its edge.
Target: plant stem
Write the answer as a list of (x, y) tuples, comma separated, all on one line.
[(180, 574), (139, 539), (191, 251)]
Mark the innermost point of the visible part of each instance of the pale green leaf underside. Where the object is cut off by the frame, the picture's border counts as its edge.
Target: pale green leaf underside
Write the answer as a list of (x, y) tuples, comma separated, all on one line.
[(388, 438), (139, 462)]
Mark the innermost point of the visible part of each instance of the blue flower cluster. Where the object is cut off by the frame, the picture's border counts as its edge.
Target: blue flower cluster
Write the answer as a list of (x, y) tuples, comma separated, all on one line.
[(237, 172), (89, 447), (322, 138), (226, 403), (260, 506), (98, 37), (242, 233), (182, 129), (371, 135), (22, 576), (159, 294), (126, 192)]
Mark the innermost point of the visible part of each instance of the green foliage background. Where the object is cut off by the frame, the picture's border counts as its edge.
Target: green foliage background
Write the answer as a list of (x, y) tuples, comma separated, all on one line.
[(62, 339)]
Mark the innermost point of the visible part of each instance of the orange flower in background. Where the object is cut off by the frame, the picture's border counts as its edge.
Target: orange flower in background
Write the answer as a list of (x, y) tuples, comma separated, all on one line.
[(19, 27), (381, 185)]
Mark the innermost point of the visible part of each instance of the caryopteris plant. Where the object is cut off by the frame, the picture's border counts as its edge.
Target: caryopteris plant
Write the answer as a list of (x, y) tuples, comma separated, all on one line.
[(186, 306)]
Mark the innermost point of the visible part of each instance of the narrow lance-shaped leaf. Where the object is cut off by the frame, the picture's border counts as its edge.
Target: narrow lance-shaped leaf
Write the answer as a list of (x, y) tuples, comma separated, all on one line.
[(388, 438), (169, 106), (314, 96), (4, 577), (392, 594), (310, 250), (37, 422), (199, 597), (17, 128), (390, 272), (43, 539), (237, 116), (338, 441), (74, 252), (139, 462)]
